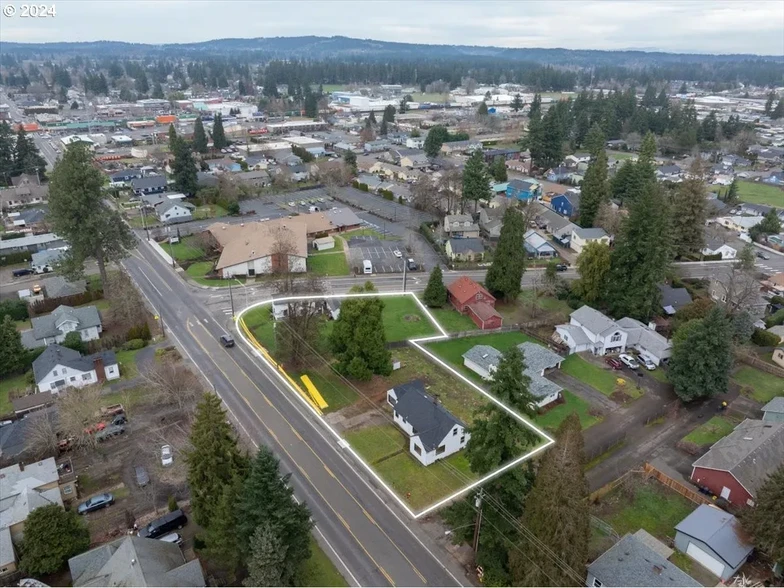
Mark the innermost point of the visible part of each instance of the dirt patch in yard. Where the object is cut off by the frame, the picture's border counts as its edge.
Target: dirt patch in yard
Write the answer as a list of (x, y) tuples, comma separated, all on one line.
[(620, 397), (412, 318)]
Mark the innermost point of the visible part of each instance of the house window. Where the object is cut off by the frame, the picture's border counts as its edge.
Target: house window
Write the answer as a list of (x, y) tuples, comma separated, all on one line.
[(418, 449), (454, 432), (73, 378), (616, 337), (54, 372), (597, 583), (394, 413), (462, 439), (441, 449), (87, 377)]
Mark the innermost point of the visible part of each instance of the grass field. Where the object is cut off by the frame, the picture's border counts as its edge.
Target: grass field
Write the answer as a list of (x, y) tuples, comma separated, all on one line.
[(386, 449), (574, 404), (259, 321), (197, 271), (209, 211), (329, 264), (333, 389), (451, 320), (759, 193), (8, 385), (708, 433), (621, 155), (764, 386), (526, 307), (453, 350), (601, 379), (404, 319), (318, 569), (127, 361), (185, 250)]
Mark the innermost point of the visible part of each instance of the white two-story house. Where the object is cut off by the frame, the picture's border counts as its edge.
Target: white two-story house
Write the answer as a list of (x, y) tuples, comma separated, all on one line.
[(460, 226), (59, 367), (54, 327), (434, 433)]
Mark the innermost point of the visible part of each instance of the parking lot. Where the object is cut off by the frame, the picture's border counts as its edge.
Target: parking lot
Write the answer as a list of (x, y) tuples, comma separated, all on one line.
[(380, 253)]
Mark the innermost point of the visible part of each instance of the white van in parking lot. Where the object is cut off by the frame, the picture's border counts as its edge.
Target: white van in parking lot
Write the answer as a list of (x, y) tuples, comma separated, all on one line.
[(367, 266)]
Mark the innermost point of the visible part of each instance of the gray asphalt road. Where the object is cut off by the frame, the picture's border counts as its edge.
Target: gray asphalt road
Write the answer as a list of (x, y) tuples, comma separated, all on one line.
[(379, 545)]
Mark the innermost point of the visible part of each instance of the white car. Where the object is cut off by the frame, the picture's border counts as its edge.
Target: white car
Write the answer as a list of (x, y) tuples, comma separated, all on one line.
[(292, 204), (629, 361), (649, 365), (397, 253), (167, 458)]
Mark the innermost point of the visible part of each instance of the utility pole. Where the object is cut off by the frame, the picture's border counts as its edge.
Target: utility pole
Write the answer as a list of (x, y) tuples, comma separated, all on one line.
[(144, 221), (405, 273), (478, 504), (231, 298)]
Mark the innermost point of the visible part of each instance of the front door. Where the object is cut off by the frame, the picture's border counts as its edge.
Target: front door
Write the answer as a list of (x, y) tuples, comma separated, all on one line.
[(725, 493)]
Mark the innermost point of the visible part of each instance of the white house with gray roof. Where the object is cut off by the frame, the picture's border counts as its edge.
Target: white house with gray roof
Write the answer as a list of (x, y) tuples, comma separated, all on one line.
[(582, 237), (135, 561), (434, 433), (172, 211), (54, 327), (483, 360), (45, 261), (590, 330), (59, 367)]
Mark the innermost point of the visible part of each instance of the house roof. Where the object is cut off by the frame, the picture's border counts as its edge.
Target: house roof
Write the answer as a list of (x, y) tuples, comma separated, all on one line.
[(775, 405), (242, 243), (525, 185), (484, 356), (458, 218), (751, 452), (163, 207), (538, 359), (716, 243), (58, 286), (135, 561), (537, 241), (464, 288), (587, 234), (46, 257), (341, 217), (576, 333), (630, 562), (148, 182), (483, 311), (20, 490), (593, 320), (55, 355), (430, 420), (640, 335), (672, 299), (48, 325), (471, 245), (31, 401), (29, 240), (719, 530)]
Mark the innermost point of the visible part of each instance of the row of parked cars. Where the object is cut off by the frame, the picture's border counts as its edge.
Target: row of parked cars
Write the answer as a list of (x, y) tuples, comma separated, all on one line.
[(624, 359)]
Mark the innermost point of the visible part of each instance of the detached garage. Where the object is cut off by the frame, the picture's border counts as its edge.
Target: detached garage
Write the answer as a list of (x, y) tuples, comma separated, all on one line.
[(712, 538)]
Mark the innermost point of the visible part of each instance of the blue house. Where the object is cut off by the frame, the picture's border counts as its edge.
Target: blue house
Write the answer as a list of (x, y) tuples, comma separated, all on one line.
[(566, 204), (524, 189), (776, 178)]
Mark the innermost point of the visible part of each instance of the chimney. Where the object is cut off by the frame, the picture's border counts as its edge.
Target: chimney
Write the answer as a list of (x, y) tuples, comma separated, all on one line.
[(99, 369)]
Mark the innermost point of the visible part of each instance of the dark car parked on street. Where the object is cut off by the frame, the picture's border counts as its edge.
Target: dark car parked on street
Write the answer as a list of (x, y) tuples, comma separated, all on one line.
[(176, 519), (18, 273), (95, 503)]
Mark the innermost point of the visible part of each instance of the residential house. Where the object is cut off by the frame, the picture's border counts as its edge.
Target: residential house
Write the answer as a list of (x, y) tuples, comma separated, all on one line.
[(31, 403), (31, 244), (377, 146), (555, 224), (581, 237), (53, 328), (577, 159), (506, 154), (460, 226), (490, 223), (558, 174), (324, 243), (670, 173), (738, 223), (468, 297), (59, 287), (415, 142), (777, 330), (759, 210), (58, 368), (738, 291), (673, 299), (434, 433), (206, 180), (525, 190), (590, 330), (717, 246), (123, 176), (468, 249), (454, 147), (773, 411), (26, 191), (521, 165), (23, 488), (483, 360), (149, 185), (256, 178), (411, 158), (135, 561), (775, 177), (29, 219), (633, 562), (536, 246), (566, 205), (714, 539), (171, 212), (43, 262), (737, 465)]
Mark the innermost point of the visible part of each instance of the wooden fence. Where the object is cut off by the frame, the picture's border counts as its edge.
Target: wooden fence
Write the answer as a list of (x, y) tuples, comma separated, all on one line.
[(675, 485), (607, 488), (759, 364)]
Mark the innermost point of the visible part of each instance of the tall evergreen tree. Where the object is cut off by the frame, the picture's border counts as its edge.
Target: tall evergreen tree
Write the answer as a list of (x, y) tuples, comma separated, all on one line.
[(372, 118), (769, 102), (689, 213), (157, 91), (646, 163), (12, 352), (504, 276), (476, 182), (389, 113), (222, 543), (499, 170), (350, 159), (267, 558), (765, 521), (593, 264), (623, 182), (435, 295), (27, 159), (731, 197), (778, 112), (595, 189), (641, 257), (436, 137), (214, 461), (382, 130), (268, 500), (172, 135), (546, 140), (6, 154), (219, 140), (535, 112), (702, 356), (595, 140), (184, 168), (556, 513), (311, 104), (482, 109), (78, 214), (199, 137), (517, 103)]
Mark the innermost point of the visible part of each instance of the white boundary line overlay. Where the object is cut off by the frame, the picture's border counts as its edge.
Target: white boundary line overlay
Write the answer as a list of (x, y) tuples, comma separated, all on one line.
[(417, 344)]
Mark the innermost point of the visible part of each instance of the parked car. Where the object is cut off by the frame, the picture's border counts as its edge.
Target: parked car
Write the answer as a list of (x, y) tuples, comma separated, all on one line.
[(172, 538), (176, 519), (613, 363), (18, 273), (227, 340), (561, 267), (649, 365), (95, 503), (167, 458), (110, 432), (397, 253), (142, 477), (120, 419), (628, 361), (763, 255), (412, 266)]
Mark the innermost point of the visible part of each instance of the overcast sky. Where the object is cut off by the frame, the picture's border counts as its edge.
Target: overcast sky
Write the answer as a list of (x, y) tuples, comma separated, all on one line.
[(715, 26)]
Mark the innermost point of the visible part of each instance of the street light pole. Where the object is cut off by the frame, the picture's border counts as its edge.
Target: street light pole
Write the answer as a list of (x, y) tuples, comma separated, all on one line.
[(231, 298), (478, 504)]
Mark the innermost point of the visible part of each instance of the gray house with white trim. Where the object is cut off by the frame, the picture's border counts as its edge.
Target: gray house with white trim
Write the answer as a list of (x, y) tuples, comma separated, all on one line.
[(53, 328)]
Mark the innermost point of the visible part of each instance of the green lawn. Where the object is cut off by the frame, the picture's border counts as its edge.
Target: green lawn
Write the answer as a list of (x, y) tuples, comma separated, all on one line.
[(601, 379), (764, 386), (451, 320), (209, 211), (546, 303), (185, 250), (7, 385), (333, 264), (405, 474), (621, 155), (331, 88), (318, 569), (127, 361), (333, 389), (650, 506), (404, 319), (574, 404), (759, 193), (708, 433), (197, 271), (660, 375), (452, 350), (260, 322)]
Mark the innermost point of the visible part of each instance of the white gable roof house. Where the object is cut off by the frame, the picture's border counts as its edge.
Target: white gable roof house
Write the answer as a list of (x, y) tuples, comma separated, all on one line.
[(590, 330), (434, 433), (53, 328), (59, 367)]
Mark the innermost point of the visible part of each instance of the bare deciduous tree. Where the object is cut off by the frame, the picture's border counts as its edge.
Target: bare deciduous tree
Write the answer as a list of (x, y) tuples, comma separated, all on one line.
[(608, 218), (79, 409), (451, 189), (172, 383), (41, 434), (127, 306), (425, 194), (282, 248), (295, 335)]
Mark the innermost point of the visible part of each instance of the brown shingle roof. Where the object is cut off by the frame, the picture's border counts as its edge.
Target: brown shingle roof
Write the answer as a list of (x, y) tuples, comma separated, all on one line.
[(464, 288), (242, 243)]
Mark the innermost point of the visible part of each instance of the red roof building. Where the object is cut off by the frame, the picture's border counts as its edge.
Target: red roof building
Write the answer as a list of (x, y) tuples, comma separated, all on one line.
[(469, 297)]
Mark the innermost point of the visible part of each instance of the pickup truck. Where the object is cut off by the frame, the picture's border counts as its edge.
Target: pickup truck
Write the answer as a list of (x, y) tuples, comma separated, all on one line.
[(110, 432)]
